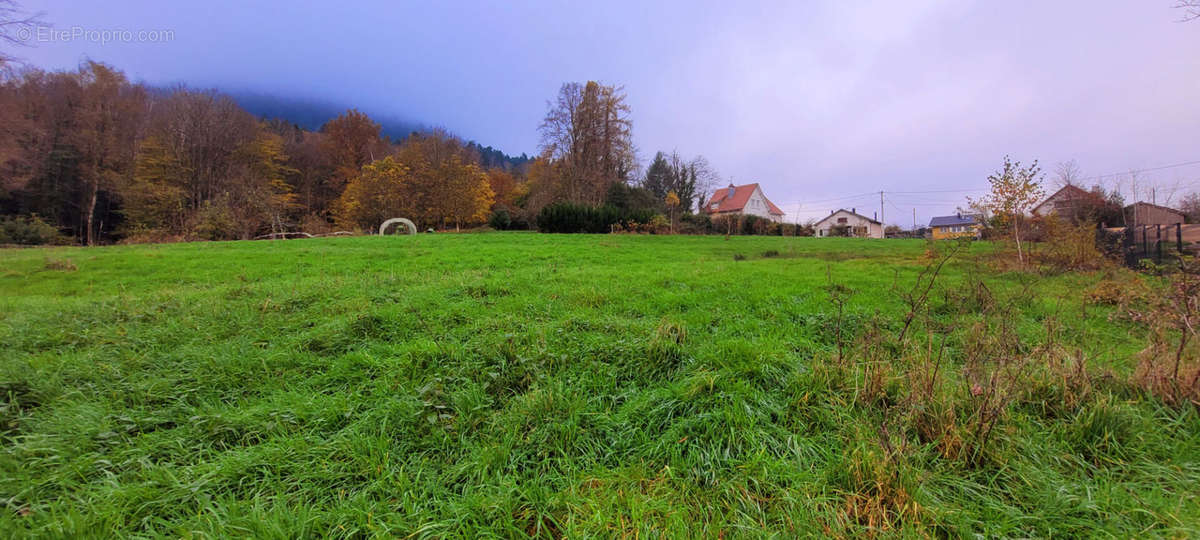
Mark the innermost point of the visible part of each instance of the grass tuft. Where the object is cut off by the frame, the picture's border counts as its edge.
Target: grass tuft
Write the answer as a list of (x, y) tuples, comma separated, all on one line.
[(59, 265)]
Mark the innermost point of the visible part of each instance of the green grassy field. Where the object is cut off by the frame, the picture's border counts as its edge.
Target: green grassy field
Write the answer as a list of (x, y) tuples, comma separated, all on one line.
[(523, 384)]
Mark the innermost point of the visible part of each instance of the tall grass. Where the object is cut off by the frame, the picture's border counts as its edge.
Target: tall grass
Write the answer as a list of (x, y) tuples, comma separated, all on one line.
[(544, 385)]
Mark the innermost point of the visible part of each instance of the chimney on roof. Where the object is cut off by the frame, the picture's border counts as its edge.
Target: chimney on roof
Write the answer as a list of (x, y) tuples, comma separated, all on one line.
[(852, 210)]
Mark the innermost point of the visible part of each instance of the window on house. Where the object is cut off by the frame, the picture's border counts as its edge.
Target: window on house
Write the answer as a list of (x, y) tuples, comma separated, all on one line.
[(841, 221)]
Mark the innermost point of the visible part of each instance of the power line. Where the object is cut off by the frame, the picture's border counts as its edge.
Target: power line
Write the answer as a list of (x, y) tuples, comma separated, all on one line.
[(920, 202), (846, 198), (1135, 171), (920, 199), (1094, 177), (939, 191)]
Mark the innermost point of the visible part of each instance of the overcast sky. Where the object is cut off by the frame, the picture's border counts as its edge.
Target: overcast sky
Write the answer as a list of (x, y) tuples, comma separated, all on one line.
[(814, 100)]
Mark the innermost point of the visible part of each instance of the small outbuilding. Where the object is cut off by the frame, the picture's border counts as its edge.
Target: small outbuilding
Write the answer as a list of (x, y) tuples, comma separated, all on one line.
[(1141, 214), (844, 222)]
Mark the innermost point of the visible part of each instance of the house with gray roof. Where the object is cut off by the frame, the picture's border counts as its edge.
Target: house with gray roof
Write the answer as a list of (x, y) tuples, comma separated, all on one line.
[(956, 226)]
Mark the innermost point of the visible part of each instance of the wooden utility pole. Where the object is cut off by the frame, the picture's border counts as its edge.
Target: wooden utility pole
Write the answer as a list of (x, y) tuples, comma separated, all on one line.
[(914, 221)]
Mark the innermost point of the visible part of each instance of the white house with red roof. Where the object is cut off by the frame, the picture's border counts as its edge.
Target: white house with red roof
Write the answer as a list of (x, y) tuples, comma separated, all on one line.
[(742, 200)]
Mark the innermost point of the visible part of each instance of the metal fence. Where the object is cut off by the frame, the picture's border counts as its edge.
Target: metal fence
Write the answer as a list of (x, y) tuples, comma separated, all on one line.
[(1157, 243)]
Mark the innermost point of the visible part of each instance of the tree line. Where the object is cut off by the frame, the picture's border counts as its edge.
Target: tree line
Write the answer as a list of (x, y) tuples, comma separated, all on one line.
[(101, 159), (104, 159)]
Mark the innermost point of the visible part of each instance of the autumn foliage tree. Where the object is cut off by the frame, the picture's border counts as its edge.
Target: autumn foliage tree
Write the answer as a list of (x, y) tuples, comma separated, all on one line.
[(506, 187), (543, 180), (259, 192), (448, 186), (109, 118), (350, 141), (468, 195), (155, 196), (1014, 191), (432, 179), (672, 201), (381, 191)]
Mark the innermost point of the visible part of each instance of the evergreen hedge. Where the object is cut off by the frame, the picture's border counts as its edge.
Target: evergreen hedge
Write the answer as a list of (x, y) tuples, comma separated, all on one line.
[(581, 218)]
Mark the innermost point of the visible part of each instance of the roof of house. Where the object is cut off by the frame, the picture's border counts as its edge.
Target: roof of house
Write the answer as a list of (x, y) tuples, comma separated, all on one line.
[(1069, 190), (950, 221), (1141, 203), (831, 214), (736, 203)]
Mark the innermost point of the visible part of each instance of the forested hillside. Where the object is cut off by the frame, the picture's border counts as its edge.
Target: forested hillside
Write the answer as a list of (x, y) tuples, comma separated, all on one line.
[(92, 158)]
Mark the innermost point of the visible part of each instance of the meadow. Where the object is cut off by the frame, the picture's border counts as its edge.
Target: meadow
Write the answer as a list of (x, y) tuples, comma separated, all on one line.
[(522, 384)]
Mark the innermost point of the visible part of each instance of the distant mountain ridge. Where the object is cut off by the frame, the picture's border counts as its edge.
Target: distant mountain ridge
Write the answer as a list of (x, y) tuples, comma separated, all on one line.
[(312, 114)]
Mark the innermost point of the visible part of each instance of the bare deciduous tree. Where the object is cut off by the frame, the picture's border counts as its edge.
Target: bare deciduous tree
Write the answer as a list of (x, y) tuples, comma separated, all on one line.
[(1190, 206), (1190, 8), (707, 179), (588, 132), (16, 28), (1067, 173)]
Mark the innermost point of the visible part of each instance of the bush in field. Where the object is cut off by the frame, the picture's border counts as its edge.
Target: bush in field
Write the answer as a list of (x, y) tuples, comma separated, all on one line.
[(500, 220), (726, 225), (1169, 367), (215, 221), (695, 224), (749, 225), (1069, 247), (314, 224), (659, 224), (1121, 288), (759, 226), (151, 236), (28, 231)]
